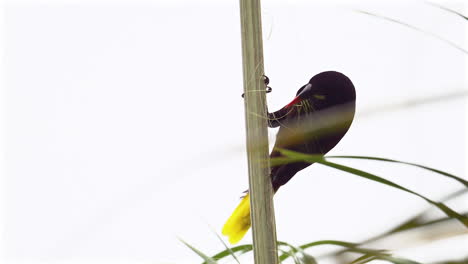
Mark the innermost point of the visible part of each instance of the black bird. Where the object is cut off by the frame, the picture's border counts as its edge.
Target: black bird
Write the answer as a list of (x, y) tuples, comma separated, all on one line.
[(313, 123)]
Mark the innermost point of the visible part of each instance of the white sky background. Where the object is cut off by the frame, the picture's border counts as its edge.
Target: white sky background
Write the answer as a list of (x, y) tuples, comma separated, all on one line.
[(123, 124)]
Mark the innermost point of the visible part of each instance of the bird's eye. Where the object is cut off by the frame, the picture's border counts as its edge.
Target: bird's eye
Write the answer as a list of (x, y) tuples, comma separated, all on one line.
[(319, 96)]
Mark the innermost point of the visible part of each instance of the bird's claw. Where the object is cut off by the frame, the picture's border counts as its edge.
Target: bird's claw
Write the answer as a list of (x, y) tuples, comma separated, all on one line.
[(266, 81)]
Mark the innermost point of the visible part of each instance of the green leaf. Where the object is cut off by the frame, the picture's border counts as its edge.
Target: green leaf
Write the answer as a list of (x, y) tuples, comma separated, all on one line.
[(369, 253), (308, 259), (460, 261), (207, 259), (350, 246), (297, 253), (462, 181), (364, 259), (419, 220), (414, 28), (449, 10), (292, 250), (398, 260), (319, 159), (293, 255), (242, 249), (231, 253)]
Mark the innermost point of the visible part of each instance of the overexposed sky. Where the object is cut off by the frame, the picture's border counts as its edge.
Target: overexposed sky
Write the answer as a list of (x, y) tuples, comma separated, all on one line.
[(123, 124)]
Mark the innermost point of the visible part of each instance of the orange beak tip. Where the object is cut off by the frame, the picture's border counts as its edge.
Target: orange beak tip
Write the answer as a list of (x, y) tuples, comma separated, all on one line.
[(293, 102)]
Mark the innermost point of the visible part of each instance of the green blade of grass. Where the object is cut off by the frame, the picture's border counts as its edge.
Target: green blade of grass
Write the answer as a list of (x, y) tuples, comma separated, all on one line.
[(242, 249), (403, 227), (231, 253), (444, 208), (412, 223), (388, 258), (306, 259), (364, 259), (290, 254), (370, 254), (460, 261), (207, 259), (287, 253), (415, 102), (418, 220), (414, 28), (397, 260), (293, 249), (448, 10), (350, 246), (370, 257), (462, 181), (319, 159)]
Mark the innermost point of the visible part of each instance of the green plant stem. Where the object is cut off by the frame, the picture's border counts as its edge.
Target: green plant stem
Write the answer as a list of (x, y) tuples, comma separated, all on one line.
[(260, 188)]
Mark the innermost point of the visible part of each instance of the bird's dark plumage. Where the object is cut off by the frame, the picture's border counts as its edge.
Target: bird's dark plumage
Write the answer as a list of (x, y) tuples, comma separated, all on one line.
[(313, 123)]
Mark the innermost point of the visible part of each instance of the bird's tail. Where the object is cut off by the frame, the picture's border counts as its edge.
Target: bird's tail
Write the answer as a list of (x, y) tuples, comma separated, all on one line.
[(239, 222)]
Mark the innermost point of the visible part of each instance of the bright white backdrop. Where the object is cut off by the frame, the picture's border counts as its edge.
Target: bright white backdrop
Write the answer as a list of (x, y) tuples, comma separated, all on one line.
[(123, 125)]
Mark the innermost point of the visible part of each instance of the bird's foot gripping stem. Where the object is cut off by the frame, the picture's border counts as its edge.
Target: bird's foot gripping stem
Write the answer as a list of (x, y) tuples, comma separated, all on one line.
[(266, 80)]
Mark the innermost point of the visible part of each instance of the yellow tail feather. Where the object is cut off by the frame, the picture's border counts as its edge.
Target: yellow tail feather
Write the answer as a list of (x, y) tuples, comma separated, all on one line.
[(239, 222)]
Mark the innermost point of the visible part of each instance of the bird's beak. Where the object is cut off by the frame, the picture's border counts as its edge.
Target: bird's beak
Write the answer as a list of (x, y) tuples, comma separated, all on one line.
[(298, 97), (294, 101)]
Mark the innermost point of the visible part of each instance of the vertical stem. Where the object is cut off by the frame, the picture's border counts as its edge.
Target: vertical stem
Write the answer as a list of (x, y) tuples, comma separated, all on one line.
[(260, 188)]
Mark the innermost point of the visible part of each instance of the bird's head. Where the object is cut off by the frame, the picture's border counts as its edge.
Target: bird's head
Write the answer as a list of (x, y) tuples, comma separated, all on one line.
[(325, 90)]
